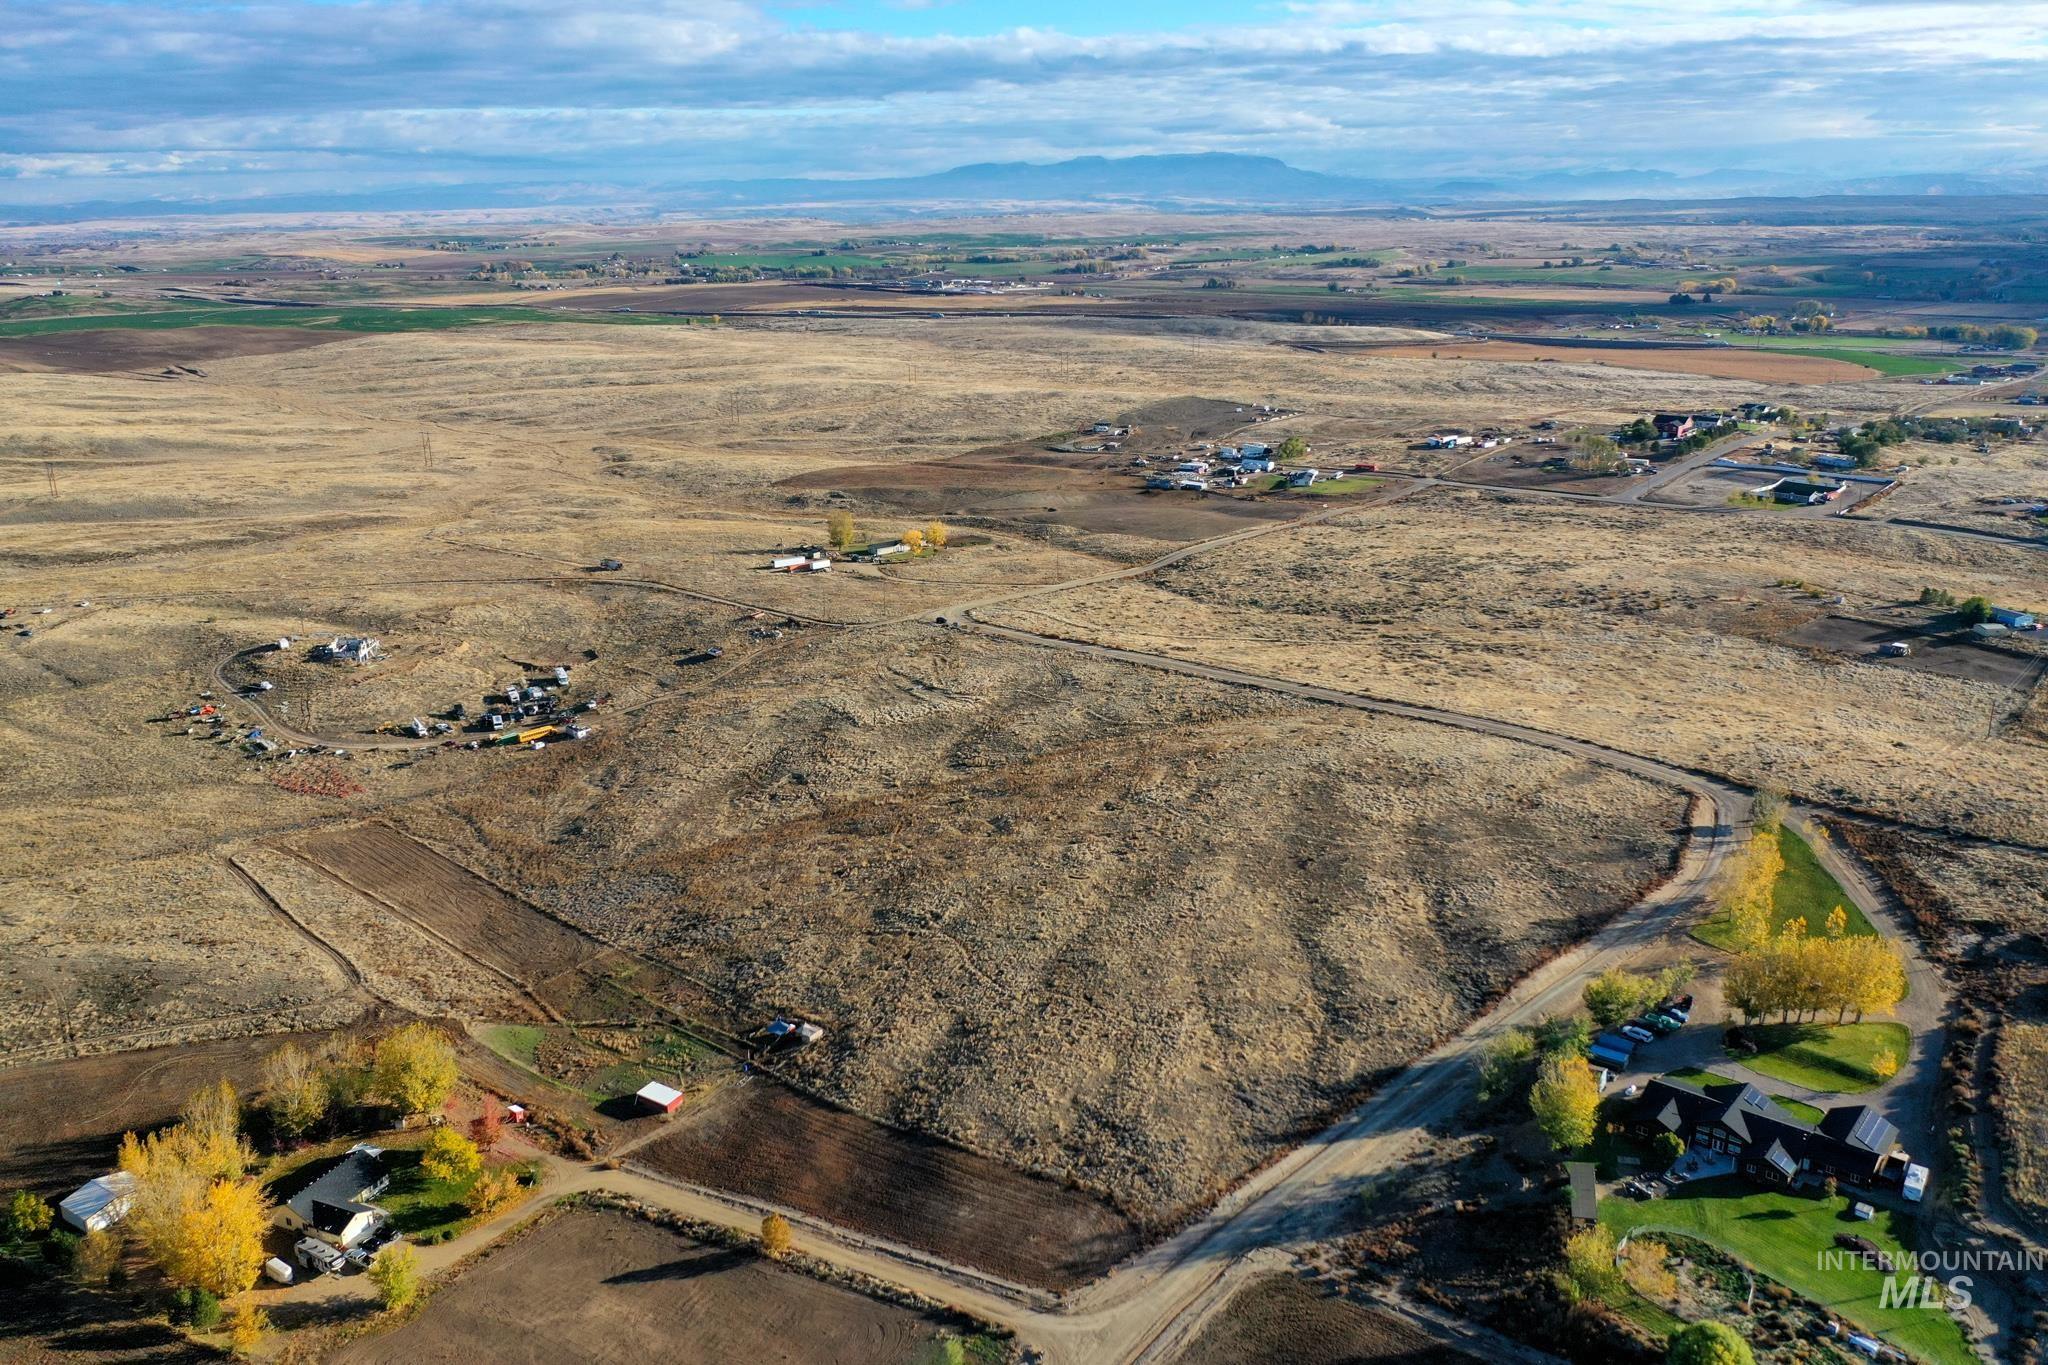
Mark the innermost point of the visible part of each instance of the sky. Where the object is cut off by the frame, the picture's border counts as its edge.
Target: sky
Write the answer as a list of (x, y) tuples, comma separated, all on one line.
[(205, 100)]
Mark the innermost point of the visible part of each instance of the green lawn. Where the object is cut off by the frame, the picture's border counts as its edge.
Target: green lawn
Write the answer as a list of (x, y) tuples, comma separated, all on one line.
[(1783, 1237), (514, 1042), (428, 1210), (1805, 890), (1693, 1075), (338, 319), (1835, 1057)]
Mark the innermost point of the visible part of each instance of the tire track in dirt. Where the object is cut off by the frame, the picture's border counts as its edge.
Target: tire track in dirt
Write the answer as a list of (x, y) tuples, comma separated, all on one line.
[(342, 960)]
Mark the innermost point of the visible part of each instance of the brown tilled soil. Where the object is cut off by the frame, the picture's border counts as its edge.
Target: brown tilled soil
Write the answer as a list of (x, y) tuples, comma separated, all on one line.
[(448, 900), (60, 1121), (45, 1320), (607, 1287), (102, 351), (1282, 1321), (1765, 367), (773, 1144)]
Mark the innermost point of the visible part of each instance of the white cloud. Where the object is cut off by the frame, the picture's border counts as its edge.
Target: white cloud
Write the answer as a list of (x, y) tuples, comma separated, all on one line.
[(642, 90)]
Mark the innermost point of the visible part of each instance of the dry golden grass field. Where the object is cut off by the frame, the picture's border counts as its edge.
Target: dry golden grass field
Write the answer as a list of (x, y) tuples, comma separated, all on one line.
[(1656, 632), (1133, 931)]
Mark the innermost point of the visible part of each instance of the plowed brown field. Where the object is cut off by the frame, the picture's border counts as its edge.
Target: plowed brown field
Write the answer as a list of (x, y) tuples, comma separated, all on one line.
[(449, 901), (769, 1143)]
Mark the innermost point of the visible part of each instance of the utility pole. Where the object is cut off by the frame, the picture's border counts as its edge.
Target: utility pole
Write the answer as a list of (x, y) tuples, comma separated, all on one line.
[(50, 475)]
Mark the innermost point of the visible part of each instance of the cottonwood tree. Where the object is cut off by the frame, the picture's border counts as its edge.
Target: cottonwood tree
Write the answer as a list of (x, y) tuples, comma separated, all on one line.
[(205, 1230), (295, 1091), (839, 528), (775, 1236), (914, 539), (1797, 974), (1614, 996), (449, 1157), (415, 1068), (493, 1190), (937, 534), (396, 1273), (1566, 1101), (1750, 894)]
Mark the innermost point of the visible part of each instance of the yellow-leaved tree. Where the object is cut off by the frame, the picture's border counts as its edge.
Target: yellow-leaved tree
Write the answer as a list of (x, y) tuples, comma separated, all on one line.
[(937, 534), (1565, 1100), (450, 1156), (203, 1228), (1750, 895), (295, 1093), (914, 538), (415, 1068)]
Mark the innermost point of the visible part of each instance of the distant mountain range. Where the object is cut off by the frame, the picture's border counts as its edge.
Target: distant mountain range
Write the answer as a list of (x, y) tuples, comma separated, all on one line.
[(1193, 182), (1228, 180)]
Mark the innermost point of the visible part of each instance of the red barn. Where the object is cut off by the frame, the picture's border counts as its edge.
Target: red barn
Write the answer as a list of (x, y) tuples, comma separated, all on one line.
[(657, 1098)]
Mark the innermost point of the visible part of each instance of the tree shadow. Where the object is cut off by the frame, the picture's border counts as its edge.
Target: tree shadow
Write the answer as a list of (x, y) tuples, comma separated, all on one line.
[(715, 1262)]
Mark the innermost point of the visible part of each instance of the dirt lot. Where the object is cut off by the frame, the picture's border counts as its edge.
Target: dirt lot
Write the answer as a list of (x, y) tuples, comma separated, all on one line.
[(116, 349), (1764, 367), (1283, 1321), (770, 1143), (60, 1121), (1709, 486), (447, 901), (600, 1287), (1958, 485), (1945, 652)]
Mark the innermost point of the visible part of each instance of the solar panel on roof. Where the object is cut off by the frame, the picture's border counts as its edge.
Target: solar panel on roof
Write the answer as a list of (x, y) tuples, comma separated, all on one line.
[(1872, 1131)]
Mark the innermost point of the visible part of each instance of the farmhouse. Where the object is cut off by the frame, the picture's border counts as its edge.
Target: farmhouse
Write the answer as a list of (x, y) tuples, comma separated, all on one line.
[(334, 1205), (347, 649), (1736, 1126), (1256, 464), (98, 1204), (1800, 492), (1673, 426)]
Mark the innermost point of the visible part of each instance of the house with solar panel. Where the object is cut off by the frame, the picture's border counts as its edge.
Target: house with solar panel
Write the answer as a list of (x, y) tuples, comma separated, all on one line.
[(1735, 1128)]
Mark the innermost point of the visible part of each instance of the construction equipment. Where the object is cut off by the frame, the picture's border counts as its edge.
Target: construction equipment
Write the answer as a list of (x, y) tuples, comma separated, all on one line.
[(528, 736)]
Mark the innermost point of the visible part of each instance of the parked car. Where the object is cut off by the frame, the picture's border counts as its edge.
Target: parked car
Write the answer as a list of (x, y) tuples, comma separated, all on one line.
[(1640, 1035), (1681, 1006), (1663, 1023)]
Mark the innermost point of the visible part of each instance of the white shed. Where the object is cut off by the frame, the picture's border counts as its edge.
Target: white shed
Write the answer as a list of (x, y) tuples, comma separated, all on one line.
[(100, 1203)]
